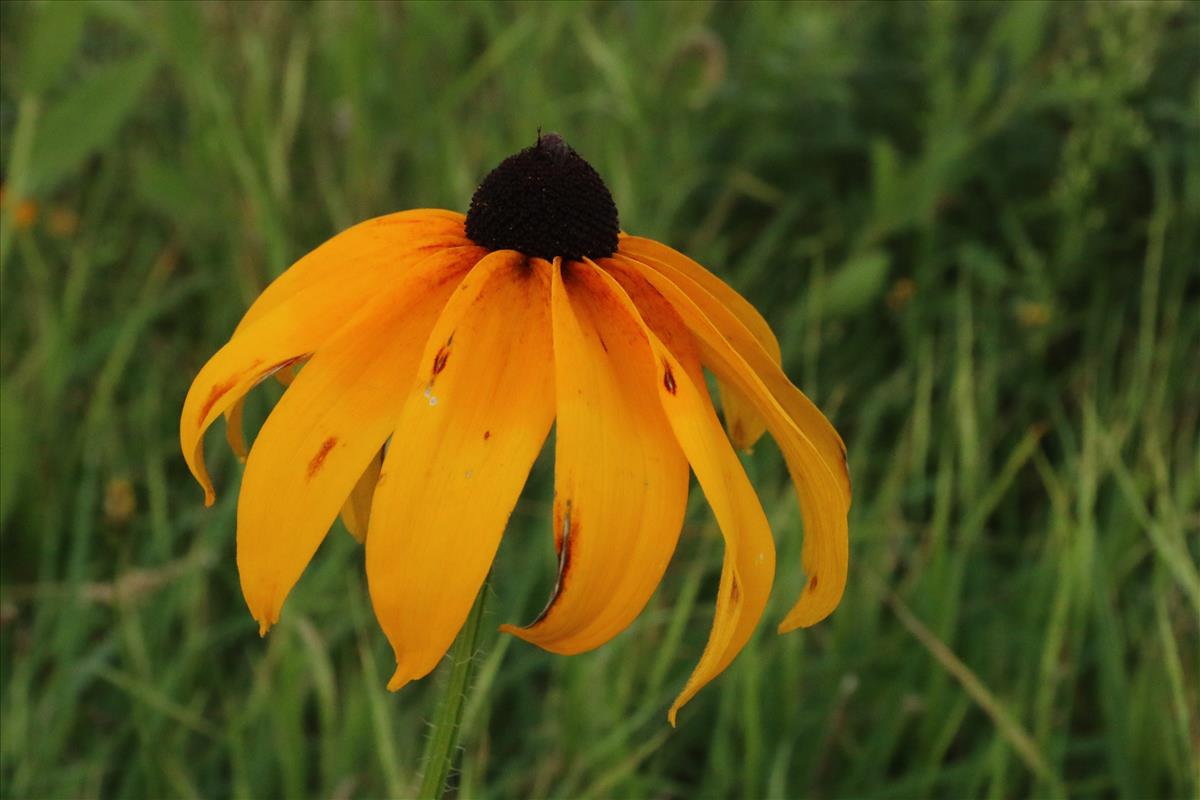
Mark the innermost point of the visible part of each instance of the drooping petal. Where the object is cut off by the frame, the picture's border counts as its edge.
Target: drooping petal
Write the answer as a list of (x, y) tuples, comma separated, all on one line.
[(811, 447), (659, 316), (356, 512), (289, 333), (234, 433), (746, 342), (749, 566), (374, 251), (473, 423), (739, 306), (328, 426), (744, 423), (621, 480), (370, 252)]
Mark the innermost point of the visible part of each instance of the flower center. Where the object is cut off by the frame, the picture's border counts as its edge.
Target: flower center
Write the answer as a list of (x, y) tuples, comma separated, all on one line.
[(545, 201)]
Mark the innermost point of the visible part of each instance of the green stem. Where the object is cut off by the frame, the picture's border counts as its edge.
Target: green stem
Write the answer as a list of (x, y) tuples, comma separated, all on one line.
[(443, 740), (18, 170)]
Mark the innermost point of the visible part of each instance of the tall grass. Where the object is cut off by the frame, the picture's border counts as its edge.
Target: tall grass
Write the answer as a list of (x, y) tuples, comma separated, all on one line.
[(975, 228)]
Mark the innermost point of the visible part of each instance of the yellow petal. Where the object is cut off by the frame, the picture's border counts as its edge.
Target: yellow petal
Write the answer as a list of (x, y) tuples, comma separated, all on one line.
[(736, 334), (473, 423), (375, 249), (235, 430), (288, 333), (229, 374), (356, 512), (739, 306), (749, 567), (234, 433), (811, 447), (621, 481), (371, 249), (744, 423), (328, 426)]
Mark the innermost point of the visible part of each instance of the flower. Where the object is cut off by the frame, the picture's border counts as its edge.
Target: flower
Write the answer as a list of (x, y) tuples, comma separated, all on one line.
[(24, 212), (457, 342)]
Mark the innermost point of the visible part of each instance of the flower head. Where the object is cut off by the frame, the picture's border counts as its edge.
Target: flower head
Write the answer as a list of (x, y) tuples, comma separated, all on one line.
[(437, 350)]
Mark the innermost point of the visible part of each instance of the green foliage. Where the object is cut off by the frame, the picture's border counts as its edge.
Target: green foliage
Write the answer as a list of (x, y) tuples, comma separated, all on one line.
[(86, 119), (975, 228)]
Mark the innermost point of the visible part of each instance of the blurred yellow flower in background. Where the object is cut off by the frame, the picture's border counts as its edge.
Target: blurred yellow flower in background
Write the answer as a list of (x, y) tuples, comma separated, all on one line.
[(24, 211), (457, 341)]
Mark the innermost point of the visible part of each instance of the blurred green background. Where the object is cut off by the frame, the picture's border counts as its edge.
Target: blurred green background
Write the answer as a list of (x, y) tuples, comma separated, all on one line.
[(975, 228)]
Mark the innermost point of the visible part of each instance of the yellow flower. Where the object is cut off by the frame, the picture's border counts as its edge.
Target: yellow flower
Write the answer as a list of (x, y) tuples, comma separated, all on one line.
[(457, 342)]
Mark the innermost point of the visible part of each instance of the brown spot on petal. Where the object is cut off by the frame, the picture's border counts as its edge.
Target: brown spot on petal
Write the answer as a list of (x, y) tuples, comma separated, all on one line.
[(570, 534), (564, 561), (487, 435), (735, 591), (318, 460), (439, 361), (564, 525), (218, 391), (812, 583), (668, 377)]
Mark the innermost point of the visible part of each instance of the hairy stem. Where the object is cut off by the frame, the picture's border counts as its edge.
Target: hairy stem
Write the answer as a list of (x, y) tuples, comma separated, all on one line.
[(441, 748)]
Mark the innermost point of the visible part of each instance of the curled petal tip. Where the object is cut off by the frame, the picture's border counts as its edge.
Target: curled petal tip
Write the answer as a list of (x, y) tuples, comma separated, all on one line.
[(210, 497), (671, 716), (263, 627)]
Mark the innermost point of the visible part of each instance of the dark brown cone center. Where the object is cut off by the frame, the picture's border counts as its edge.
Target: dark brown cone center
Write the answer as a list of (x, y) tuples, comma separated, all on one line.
[(545, 201)]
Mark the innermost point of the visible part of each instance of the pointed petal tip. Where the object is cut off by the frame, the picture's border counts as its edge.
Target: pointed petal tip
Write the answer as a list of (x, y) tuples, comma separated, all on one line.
[(802, 618), (266, 614), (671, 716), (398, 680), (532, 635), (210, 497)]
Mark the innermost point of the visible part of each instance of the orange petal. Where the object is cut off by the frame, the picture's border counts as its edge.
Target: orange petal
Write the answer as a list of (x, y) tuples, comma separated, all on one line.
[(325, 430), (471, 426), (356, 512), (749, 567), (234, 433), (811, 447), (288, 333), (373, 251), (621, 481), (744, 423)]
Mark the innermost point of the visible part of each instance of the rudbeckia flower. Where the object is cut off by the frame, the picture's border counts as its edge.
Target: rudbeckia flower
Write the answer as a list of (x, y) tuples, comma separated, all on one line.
[(428, 354)]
